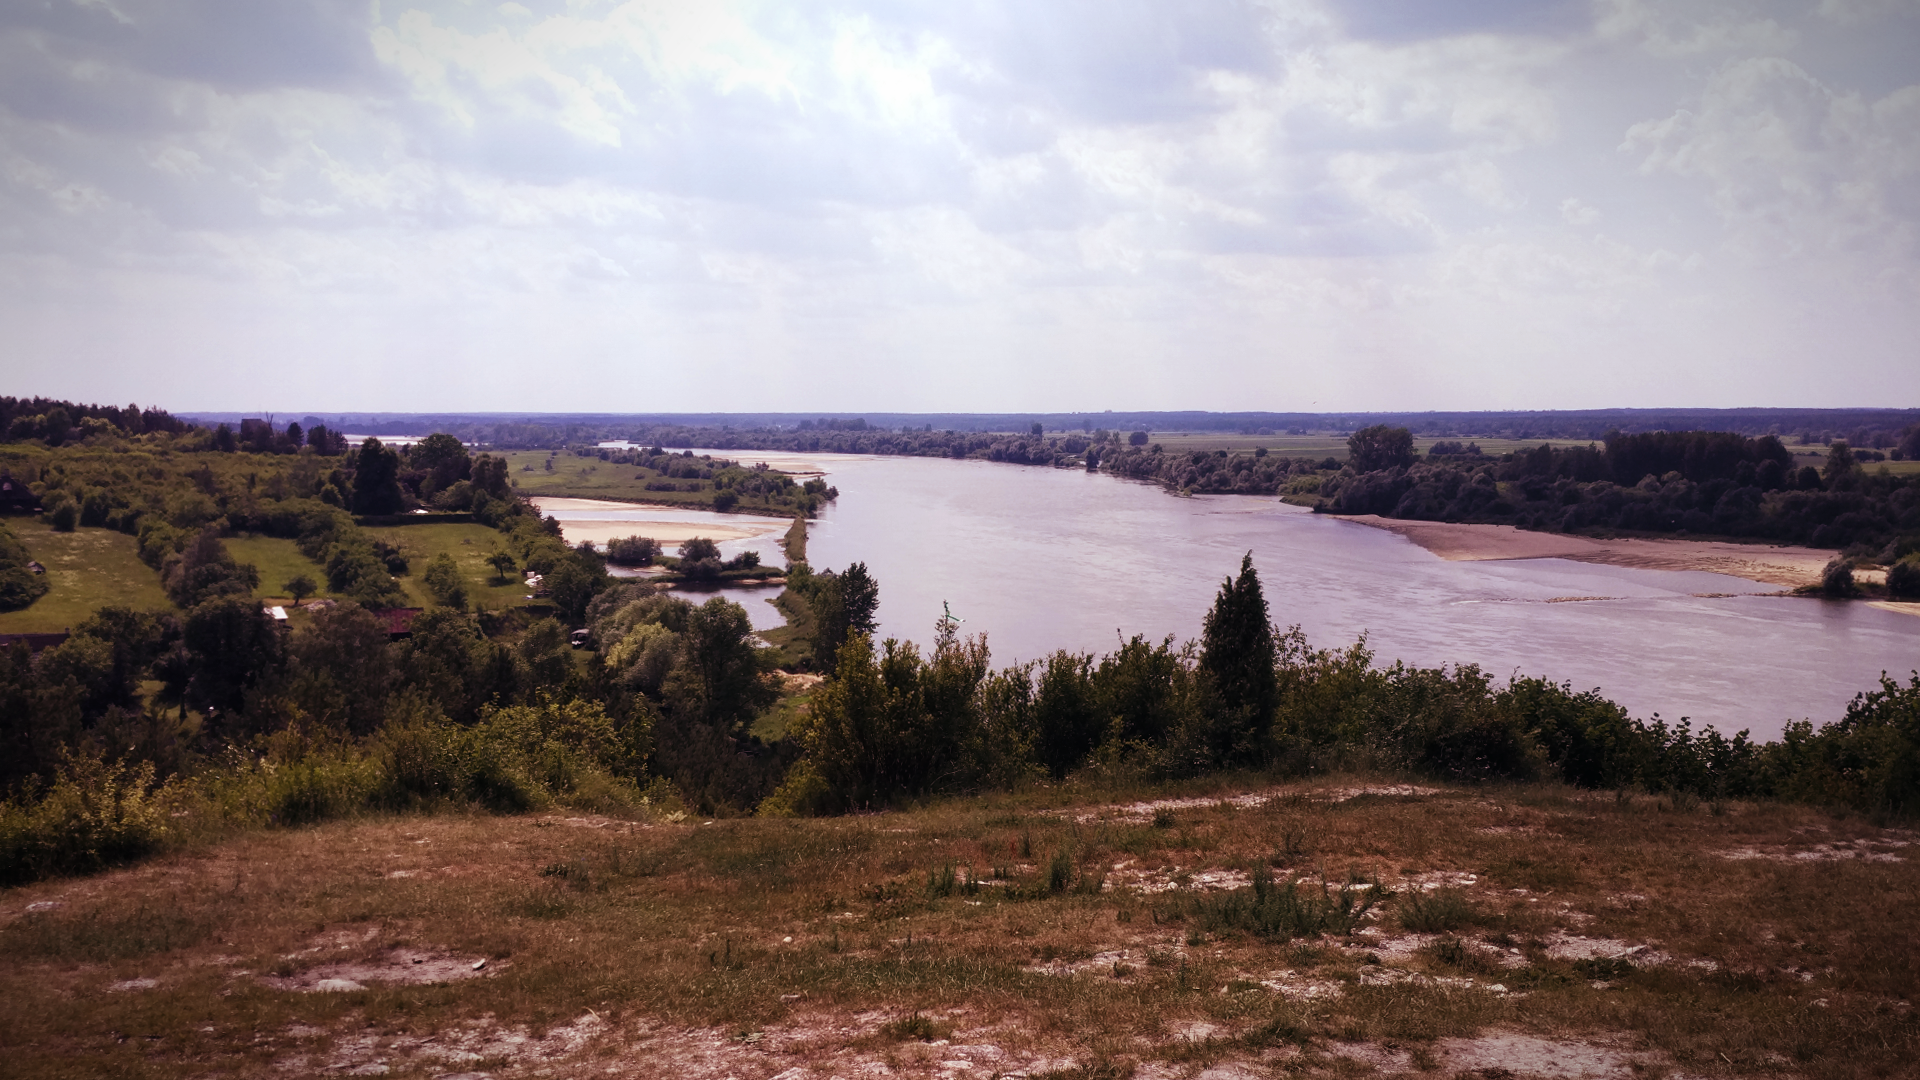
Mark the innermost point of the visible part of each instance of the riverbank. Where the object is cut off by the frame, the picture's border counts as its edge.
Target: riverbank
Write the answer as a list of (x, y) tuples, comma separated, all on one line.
[(1771, 564)]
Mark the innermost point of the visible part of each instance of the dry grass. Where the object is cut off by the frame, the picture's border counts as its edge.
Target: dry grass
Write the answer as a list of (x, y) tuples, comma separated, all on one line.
[(1572, 927)]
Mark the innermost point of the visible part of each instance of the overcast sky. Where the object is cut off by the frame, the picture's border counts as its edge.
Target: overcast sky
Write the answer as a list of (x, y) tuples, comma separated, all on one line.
[(949, 205)]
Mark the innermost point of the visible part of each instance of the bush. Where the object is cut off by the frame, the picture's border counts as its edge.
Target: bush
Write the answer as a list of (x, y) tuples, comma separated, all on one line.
[(62, 512), (95, 814), (1903, 579), (1836, 580), (444, 581), (19, 586)]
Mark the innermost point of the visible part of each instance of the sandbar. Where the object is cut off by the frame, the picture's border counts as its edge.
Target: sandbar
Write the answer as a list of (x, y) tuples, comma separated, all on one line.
[(665, 524), (1771, 564)]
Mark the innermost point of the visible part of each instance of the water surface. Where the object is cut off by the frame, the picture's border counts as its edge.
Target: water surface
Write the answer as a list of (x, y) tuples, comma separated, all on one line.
[(1041, 559)]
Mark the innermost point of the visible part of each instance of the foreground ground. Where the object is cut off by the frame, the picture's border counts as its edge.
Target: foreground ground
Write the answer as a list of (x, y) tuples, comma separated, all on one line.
[(1527, 933)]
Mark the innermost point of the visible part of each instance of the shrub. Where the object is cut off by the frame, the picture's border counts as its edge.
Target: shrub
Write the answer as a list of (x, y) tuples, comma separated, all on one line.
[(1903, 579), (95, 814), (1286, 911), (444, 581), (1837, 579)]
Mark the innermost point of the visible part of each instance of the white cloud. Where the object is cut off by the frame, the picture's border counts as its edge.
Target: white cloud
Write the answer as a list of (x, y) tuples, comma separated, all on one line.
[(1794, 166), (869, 193)]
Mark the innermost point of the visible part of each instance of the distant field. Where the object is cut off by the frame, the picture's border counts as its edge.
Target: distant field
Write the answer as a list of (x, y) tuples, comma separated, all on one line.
[(87, 569)]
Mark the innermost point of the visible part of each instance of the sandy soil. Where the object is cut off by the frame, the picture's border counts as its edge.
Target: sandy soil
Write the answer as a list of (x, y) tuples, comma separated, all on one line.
[(1770, 564), (664, 523)]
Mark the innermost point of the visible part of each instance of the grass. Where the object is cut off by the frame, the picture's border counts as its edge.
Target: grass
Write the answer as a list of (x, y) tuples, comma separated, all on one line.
[(469, 545), (87, 569), (753, 946), (279, 560)]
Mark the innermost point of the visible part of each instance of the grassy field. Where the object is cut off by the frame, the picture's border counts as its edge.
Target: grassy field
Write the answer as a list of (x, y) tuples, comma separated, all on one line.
[(279, 560), (1516, 932), (87, 569), (469, 545)]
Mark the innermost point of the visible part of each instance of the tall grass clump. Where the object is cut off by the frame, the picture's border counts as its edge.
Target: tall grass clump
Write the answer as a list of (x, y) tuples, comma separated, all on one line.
[(1279, 912)]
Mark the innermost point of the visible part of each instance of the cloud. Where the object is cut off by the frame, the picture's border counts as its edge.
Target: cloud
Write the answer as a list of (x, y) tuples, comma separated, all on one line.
[(861, 193), (1794, 166)]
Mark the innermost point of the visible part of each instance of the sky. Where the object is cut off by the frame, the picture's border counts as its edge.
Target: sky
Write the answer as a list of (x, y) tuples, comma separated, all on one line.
[(955, 205)]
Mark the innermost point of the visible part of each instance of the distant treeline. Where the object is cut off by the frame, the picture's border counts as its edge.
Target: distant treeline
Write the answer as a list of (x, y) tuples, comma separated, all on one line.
[(1866, 428), (54, 422), (1697, 482)]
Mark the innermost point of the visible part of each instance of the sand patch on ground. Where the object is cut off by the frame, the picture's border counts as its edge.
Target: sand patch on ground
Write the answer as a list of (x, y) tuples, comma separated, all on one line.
[(1457, 542), (1896, 607)]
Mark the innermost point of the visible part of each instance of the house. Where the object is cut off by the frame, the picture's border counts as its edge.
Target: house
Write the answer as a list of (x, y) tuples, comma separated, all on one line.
[(17, 496), (398, 620), (36, 643)]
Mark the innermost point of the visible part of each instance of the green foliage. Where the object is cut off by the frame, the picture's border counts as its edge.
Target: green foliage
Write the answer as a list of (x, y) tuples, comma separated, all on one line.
[(1903, 579), (1237, 656), (95, 814), (1283, 912), (204, 570), (19, 586), (376, 480), (443, 579), (1381, 446), (1836, 580)]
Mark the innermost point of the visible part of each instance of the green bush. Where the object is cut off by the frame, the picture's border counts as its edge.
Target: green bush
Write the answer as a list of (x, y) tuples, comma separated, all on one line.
[(95, 814), (1903, 579), (19, 586)]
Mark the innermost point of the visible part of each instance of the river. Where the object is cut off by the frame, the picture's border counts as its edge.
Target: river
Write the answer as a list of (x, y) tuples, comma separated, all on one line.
[(1042, 559)]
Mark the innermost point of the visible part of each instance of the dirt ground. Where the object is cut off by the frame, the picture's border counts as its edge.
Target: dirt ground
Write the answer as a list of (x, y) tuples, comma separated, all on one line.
[(1531, 932)]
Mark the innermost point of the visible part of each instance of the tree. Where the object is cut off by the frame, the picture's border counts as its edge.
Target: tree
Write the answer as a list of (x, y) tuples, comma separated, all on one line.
[(344, 669), (232, 645), (1237, 661), (1379, 447), (444, 580), (205, 570), (1903, 579), (1840, 463), (843, 606), (717, 680), (1036, 429), (442, 455), (1138, 438), (698, 548), (300, 586), (503, 563), (376, 480)]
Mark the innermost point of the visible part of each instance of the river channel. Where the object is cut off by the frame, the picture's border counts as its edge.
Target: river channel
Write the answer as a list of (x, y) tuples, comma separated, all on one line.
[(1042, 559)]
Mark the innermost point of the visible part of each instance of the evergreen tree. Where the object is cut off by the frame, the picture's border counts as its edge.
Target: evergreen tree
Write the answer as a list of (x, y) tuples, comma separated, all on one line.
[(1237, 661)]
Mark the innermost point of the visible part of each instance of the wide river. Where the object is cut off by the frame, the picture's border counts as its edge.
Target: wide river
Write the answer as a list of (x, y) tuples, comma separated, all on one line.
[(1041, 559)]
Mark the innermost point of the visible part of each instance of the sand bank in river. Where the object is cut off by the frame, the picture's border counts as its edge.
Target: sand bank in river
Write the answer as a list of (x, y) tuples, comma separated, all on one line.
[(1772, 564), (665, 524)]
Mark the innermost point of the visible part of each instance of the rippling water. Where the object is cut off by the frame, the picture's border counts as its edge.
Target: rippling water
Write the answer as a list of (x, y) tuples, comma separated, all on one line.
[(1040, 559)]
